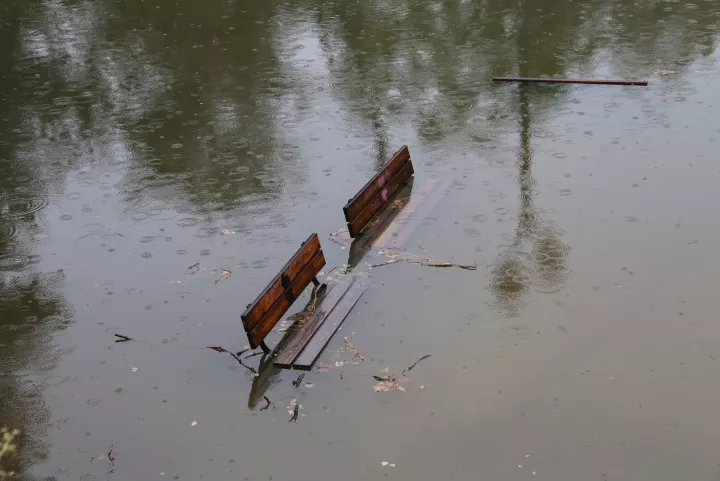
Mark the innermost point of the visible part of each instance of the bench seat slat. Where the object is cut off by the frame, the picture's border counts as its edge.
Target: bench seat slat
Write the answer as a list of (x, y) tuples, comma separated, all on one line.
[(330, 325), (301, 337)]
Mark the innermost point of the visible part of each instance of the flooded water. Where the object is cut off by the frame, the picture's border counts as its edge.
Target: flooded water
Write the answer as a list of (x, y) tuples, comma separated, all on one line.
[(140, 138)]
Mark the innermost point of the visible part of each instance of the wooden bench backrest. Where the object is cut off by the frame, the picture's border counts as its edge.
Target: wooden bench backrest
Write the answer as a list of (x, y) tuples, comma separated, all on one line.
[(372, 198), (261, 316)]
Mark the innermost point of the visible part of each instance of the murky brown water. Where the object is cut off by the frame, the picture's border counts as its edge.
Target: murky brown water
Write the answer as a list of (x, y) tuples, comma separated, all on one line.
[(139, 138)]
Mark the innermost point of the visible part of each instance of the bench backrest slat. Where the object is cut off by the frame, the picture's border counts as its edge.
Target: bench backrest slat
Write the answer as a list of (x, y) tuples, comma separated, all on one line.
[(262, 315), (374, 195)]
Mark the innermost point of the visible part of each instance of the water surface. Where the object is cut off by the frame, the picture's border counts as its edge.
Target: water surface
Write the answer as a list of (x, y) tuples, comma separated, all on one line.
[(138, 139)]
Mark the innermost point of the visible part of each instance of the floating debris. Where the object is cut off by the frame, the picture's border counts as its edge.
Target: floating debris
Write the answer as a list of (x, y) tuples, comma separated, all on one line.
[(122, 338), (294, 409), (347, 341), (427, 261), (225, 275), (236, 356), (296, 383), (392, 383)]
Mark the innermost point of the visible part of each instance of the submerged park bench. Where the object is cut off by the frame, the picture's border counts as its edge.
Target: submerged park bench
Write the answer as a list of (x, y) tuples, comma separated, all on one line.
[(305, 340), (303, 345)]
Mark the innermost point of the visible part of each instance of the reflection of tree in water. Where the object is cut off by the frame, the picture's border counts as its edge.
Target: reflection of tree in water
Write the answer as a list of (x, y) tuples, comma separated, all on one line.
[(31, 311), (211, 131), (431, 62), (537, 258), (182, 99)]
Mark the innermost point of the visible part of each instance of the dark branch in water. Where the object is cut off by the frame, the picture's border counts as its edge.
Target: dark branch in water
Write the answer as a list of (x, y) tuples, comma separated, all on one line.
[(236, 356), (123, 338), (416, 363), (446, 264), (298, 381), (268, 404)]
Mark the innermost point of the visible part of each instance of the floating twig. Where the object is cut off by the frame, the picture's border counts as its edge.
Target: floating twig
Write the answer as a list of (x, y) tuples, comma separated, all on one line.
[(446, 264), (236, 356), (296, 383), (424, 250), (357, 353), (467, 267), (416, 363), (110, 456), (122, 338), (194, 268), (386, 263), (268, 403), (259, 353), (295, 415)]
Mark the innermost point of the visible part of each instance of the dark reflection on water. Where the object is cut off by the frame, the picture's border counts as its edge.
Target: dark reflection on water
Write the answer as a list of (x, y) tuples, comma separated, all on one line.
[(537, 258), (31, 312), (189, 121)]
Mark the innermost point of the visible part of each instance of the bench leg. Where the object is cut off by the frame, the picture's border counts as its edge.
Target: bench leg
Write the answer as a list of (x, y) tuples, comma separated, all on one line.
[(265, 348)]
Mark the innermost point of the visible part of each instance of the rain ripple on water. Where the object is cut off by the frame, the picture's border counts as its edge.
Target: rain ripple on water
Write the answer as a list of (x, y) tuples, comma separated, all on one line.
[(22, 207)]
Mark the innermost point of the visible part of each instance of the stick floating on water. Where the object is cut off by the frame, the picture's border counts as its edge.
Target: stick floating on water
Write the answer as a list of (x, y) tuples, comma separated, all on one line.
[(570, 81)]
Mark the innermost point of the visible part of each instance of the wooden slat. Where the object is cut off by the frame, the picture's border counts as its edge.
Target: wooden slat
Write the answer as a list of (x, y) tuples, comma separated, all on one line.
[(281, 306), (375, 205), (376, 184), (411, 215), (570, 81), (300, 338), (314, 348), (260, 306)]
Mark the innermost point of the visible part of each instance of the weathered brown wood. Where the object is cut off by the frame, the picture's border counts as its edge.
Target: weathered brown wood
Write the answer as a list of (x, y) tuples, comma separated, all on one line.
[(412, 215), (376, 184), (300, 338), (375, 205), (570, 81), (332, 322), (262, 304), (283, 303)]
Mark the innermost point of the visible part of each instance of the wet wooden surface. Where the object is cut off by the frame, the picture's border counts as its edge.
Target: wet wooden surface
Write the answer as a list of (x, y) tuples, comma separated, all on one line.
[(381, 199), (570, 81), (412, 215), (262, 304), (375, 185), (283, 303), (315, 347), (300, 338)]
